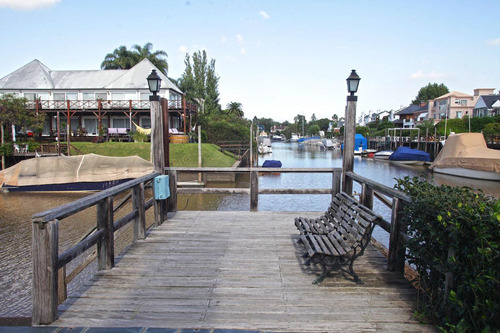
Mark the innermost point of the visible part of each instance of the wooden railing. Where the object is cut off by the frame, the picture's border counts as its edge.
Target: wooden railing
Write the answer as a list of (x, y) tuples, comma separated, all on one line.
[(43, 105), (395, 200), (254, 190), (49, 273)]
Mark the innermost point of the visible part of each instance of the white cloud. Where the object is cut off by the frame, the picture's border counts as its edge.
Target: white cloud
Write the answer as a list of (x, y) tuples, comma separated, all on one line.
[(264, 15), (243, 51), (493, 41), (27, 4), (239, 38), (421, 75), (223, 39), (183, 48)]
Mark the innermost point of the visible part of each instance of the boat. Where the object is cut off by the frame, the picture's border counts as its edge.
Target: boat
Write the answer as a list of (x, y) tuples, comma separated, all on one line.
[(366, 152), (294, 138), (383, 155), (274, 164), (328, 144), (89, 172), (467, 155), (409, 156), (264, 149)]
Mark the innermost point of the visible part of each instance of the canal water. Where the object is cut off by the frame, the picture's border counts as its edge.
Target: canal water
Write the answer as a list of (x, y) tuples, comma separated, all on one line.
[(17, 208)]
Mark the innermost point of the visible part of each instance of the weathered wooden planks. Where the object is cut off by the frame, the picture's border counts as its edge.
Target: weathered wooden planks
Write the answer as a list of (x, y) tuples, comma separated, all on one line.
[(238, 270)]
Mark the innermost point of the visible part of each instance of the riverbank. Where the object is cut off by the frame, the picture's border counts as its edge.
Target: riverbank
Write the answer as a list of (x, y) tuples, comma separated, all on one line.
[(181, 155)]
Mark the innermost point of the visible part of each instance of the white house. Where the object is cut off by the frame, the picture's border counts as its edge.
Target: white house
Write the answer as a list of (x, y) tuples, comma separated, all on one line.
[(87, 100)]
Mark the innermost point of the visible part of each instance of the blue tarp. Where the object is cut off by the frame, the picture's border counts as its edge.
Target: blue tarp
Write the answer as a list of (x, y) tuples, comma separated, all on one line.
[(359, 141), (309, 138), (271, 164), (408, 154)]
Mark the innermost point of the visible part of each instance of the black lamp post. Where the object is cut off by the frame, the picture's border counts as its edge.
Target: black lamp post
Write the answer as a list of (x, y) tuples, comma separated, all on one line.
[(349, 131), (353, 82), (154, 84)]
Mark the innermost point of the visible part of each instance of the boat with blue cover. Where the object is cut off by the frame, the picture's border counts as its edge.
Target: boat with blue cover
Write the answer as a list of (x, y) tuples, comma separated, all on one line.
[(407, 155)]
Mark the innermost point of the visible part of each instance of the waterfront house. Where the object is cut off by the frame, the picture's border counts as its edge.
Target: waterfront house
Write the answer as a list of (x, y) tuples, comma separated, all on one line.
[(487, 106), (409, 115), (91, 101)]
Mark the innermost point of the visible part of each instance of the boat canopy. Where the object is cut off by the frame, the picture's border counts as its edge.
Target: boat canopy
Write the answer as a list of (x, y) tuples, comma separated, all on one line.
[(271, 164), (72, 169), (409, 154), (469, 151)]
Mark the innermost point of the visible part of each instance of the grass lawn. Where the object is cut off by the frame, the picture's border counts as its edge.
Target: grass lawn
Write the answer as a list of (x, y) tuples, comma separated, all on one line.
[(181, 154)]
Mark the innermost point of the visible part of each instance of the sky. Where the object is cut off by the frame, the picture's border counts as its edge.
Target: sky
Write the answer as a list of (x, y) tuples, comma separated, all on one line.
[(277, 58)]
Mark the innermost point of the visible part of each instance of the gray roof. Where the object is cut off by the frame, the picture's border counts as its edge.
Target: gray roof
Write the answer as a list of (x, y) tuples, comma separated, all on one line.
[(412, 109), (37, 76), (489, 100)]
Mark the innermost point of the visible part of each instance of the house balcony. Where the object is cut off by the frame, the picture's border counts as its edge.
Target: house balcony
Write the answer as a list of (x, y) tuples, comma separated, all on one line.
[(108, 105)]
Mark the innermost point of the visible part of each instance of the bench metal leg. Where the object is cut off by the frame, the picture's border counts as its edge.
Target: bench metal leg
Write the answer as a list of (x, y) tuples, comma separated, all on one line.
[(322, 276), (354, 275)]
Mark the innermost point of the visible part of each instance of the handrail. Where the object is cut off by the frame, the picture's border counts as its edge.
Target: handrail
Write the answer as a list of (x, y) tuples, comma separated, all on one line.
[(49, 267), (71, 208)]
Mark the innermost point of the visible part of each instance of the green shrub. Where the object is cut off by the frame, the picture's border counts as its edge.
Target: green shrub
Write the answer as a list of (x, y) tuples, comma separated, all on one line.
[(455, 230)]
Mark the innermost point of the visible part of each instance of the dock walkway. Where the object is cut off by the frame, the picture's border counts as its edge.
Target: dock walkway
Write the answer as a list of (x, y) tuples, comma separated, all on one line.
[(239, 270)]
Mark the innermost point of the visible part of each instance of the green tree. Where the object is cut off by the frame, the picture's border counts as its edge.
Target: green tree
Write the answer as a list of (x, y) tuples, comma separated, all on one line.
[(13, 111), (430, 91), (199, 81), (427, 126), (313, 130), (234, 109), (363, 130), (122, 58)]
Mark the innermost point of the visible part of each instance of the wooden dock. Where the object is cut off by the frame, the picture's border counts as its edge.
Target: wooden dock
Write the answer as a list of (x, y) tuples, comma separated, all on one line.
[(239, 270)]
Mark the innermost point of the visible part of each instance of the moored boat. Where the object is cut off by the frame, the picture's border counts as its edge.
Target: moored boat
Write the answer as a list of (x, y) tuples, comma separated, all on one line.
[(467, 155), (383, 155), (73, 173), (409, 156)]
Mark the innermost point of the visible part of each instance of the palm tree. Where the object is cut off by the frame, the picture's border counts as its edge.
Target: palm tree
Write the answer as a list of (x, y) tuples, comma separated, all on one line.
[(235, 109), (158, 58), (121, 58)]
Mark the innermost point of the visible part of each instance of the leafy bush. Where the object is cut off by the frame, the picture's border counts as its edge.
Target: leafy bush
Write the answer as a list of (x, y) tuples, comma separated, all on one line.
[(455, 230)]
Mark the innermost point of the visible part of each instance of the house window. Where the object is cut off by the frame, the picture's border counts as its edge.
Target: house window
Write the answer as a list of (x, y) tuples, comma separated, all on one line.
[(459, 114), (90, 125), (72, 96), (88, 96), (145, 122), (30, 96), (145, 96), (59, 96), (461, 101), (120, 122), (43, 96), (101, 96)]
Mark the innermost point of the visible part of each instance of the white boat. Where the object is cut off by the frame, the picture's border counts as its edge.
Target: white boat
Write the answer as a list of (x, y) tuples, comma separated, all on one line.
[(265, 149), (466, 155), (383, 155), (294, 138), (368, 151), (358, 151)]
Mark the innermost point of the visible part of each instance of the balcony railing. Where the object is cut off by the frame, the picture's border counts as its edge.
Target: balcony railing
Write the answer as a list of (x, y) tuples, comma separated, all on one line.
[(105, 105)]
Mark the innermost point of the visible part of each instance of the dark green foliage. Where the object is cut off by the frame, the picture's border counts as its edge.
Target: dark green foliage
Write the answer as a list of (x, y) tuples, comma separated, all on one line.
[(200, 83), (452, 125), (121, 58), (226, 130), (430, 91), (313, 130), (455, 230)]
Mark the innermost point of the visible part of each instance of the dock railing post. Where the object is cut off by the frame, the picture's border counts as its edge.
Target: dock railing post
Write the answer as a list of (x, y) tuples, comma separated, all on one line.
[(172, 200), (106, 246), (45, 254), (254, 191), (366, 198), (396, 260), (336, 176), (138, 203)]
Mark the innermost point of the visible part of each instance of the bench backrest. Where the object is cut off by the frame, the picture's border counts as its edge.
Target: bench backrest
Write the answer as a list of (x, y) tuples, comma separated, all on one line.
[(351, 221)]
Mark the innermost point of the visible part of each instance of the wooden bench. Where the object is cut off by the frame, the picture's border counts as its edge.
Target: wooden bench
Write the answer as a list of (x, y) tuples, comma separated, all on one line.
[(339, 236)]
